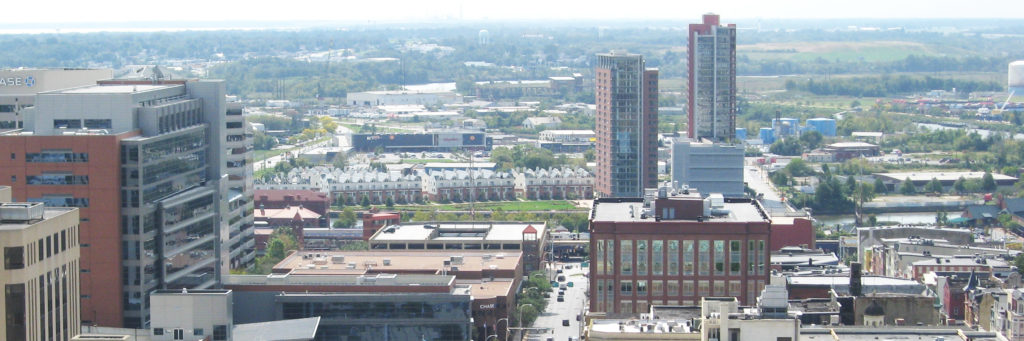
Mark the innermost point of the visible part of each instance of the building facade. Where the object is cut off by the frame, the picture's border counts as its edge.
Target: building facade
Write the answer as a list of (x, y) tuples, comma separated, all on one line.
[(627, 125), (712, 66), (554, 183), (18, 88), (40, 273), (162, 178), (459, 186), (674, 251), (708, 167)]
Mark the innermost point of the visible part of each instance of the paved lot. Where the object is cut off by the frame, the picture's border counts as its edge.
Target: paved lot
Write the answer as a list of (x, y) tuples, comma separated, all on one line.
[(575, 301)]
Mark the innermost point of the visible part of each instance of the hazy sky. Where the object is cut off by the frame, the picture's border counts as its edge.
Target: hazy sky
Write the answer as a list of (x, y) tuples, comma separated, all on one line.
[(107, 11)]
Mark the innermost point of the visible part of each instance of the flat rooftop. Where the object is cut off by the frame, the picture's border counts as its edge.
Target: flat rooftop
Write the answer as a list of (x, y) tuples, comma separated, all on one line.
[(416, 280), (923, 333), (48, 213), (632, 211), (113, 89), (488, 289), (625, 326), (866, 281), (511, 232), (341, 262)]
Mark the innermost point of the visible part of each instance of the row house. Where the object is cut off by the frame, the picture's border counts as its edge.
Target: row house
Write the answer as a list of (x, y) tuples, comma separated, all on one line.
[(377, 186), (554, 183), (461, 185)]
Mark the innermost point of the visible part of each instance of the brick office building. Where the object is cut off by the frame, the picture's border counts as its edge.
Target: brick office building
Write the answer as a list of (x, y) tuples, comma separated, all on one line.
[(674, 250), (318, 202)]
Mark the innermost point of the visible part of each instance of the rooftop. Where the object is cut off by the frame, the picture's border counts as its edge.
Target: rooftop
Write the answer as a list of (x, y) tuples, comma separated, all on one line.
[(282, 330), (113, 89), (415, 280), (286, 213), (360, 262), (19, 224), (633, 210), (852, 145), (452, 231)]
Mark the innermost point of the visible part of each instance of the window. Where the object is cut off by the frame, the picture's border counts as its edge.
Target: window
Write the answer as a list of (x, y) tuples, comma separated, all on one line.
[(179, 334), (626, 254), (719, 257), (657, 257), (67, 124), (626, 288), (704, 263), (220, 332), (14, 258), (98, 124), (158, 331), (641, 257), (641, 287), (673, 288), (734, 257), (673, 257), (197, 331)]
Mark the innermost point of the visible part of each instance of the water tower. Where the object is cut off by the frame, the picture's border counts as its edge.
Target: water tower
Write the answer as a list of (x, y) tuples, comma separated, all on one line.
[(483, 37), (1015, 78)]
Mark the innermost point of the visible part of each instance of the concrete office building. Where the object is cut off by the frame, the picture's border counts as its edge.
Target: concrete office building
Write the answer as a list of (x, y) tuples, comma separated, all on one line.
[(712, 66), (708, 167), (530, 238), (675, 249), (160, 173), (627, 125), (18, 88), (191, 315), (40, 273)]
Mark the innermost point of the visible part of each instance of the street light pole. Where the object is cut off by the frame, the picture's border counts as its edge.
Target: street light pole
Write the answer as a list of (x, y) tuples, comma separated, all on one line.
[(521, 315), (496, 324)]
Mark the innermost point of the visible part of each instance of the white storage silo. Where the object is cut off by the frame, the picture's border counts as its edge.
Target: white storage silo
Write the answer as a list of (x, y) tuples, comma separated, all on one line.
[(1015, 78)]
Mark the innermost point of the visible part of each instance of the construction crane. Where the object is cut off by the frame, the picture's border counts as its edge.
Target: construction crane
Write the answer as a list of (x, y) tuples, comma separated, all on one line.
[(999, 111)]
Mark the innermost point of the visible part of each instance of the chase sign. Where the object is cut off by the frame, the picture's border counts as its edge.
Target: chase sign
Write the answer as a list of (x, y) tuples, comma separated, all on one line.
[(18, 81)]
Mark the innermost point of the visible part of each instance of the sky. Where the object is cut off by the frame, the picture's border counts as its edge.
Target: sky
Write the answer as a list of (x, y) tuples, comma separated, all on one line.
[(62, 12)]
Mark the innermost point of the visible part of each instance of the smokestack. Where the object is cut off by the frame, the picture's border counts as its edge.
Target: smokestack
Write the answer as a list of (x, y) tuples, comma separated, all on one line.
[(856, 289)]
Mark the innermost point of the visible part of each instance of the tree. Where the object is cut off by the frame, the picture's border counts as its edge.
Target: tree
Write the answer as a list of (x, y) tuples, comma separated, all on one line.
[(276, 249), (960, 185), (389, 202), (340, 161), (907, 188), (346, 219), (941, 218), (879, 186), (872, 220), (365, 202), (588, 155), (1019, 262), (933, 186), (851, 184), (988, 183), (811, 139), (787, 147), (797, 168)]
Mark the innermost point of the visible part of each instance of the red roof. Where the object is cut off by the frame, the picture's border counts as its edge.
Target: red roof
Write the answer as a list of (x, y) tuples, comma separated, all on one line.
[(529, 229)]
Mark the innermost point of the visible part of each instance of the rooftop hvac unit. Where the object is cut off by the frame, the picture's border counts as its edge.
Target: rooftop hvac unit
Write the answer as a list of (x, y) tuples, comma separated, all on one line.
[(351, 266), (338, 259), (457, 260), (387, 262), (500, 256)]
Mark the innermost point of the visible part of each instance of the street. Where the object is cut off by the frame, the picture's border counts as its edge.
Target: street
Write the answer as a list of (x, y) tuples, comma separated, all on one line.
[(575, 303), (757, 179)]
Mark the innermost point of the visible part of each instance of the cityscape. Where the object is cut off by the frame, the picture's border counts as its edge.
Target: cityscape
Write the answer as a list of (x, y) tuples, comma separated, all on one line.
[(464, 173)]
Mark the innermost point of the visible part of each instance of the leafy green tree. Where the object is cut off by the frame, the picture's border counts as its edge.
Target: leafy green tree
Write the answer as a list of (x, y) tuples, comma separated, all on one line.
[(276, 249), (960, 185), (851, 184), (346, 219), (933, 186), (365, 202), (788, 147), (811, 139), (798, 168), (389, 202), (907, 188), (879, 186), (988, 183), (340, 161), (588, 155), (1019, 262)]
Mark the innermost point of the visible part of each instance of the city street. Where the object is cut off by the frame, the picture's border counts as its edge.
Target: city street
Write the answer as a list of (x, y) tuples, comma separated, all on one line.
[(757, 179), (575, 301)]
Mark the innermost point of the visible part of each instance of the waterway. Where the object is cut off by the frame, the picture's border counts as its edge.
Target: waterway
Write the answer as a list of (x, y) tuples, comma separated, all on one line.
[(900, 218)]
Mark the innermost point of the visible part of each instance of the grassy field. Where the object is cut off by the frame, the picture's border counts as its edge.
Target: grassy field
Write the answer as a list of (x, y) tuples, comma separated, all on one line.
[(508, 206), (867, 51)]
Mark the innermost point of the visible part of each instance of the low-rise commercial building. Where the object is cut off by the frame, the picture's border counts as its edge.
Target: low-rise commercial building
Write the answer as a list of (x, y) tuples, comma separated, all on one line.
[(893, 181), (842, 151), (674, 250), (315, 201), (495, 237)]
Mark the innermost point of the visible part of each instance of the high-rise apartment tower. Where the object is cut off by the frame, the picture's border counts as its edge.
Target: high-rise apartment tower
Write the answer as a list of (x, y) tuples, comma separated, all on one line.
[(712, 66), (627, 125)]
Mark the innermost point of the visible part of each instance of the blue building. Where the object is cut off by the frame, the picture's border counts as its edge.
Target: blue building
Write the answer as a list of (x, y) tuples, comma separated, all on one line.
[(741, 134), (767, 135), (825, 126)]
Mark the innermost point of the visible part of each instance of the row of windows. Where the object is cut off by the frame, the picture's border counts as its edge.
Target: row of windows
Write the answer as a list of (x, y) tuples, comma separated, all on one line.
[(667, 292), (55, 156), (651, 257), (220, 332), (78, 124), (58, 200)]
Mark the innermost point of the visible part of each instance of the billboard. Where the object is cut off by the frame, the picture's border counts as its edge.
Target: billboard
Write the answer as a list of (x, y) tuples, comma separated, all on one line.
[(449, 140)]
